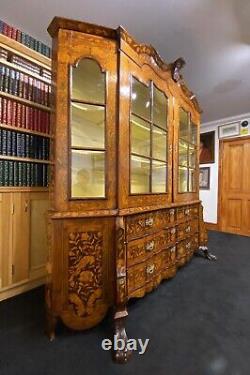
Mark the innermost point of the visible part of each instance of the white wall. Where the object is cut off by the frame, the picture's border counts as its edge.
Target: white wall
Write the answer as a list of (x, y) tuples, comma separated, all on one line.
[(209, 198)]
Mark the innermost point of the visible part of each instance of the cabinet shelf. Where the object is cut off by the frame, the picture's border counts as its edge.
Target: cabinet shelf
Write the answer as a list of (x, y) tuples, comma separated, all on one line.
[(25, 71), (22, 130), (25, 52), (25, 101), (16, 158)]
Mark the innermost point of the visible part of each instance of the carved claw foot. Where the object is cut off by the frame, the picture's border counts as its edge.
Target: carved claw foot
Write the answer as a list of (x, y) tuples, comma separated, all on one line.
[(50, 328), (121, 354), (203, 252)]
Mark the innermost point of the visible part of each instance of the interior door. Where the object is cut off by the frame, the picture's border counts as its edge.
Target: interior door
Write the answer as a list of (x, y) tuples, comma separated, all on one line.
[(145, 136), (235, 186), (185, 158)]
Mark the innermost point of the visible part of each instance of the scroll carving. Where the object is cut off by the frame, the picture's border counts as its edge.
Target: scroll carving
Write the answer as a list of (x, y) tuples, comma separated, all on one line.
[(85, 271)]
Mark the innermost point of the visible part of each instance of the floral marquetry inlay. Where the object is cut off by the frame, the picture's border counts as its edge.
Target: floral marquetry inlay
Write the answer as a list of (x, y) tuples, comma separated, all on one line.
[(85, 271)]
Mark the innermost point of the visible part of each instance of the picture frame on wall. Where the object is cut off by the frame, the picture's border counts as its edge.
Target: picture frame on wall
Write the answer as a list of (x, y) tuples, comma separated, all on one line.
[(204, 178), (229, 130), (207, 144)]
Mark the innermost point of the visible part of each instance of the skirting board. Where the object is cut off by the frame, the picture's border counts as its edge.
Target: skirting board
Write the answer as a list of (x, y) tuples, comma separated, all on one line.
[(22, 287)]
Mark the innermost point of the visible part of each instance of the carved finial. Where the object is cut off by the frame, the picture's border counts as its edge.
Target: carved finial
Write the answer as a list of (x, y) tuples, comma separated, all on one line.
[(176, 66)]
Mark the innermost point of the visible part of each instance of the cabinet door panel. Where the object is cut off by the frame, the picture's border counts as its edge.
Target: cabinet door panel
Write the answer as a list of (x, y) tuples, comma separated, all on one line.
[(186, 149), (145, 136), (5, 239)]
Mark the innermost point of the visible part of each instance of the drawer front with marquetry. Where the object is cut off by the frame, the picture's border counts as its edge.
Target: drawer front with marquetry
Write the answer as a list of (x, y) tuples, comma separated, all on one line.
[(168, 257), (143, 248), (150, 222), (186, 229)]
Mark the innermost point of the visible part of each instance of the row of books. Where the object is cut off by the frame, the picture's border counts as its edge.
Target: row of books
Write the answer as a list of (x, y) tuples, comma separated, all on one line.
[(16, 173), (24, 63), (23, 116), (23, 145), (23, 86), (24, 38)]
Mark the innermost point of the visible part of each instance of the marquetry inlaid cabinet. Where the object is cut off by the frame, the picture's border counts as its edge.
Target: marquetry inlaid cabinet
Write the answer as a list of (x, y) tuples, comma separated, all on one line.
[(124, 200)]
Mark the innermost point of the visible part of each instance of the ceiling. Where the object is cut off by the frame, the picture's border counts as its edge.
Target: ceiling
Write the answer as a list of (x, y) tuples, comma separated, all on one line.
[(213, 36)]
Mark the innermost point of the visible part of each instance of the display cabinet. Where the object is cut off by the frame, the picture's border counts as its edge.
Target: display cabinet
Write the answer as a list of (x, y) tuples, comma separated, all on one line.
[(124, 205)]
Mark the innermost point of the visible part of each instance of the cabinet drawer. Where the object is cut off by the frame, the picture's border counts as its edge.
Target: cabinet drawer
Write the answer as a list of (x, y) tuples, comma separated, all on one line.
[(183, 214), (186, 229), (194, 211), (139, 225), (150, 222), (168, 257), (140, 274)]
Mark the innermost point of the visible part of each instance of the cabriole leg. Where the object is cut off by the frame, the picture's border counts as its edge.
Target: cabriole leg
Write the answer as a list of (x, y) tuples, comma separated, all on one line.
[(121, 353)]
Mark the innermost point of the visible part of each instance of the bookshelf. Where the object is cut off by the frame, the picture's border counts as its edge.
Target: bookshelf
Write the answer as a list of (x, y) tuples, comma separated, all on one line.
[(25, 137)]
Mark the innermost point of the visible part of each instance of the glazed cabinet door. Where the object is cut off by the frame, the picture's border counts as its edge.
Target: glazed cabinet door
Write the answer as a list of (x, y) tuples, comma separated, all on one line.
[(38, 244), (145, 136), (186, 153), (85, 139)]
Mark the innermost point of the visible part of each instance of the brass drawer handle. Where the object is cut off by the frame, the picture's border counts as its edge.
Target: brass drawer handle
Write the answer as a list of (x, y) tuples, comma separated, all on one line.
[(149, 222), (150, 246), (171, 212), (188, 245), (173, 231), (187, 211), (173, 249), (150, 269), (188, 229)]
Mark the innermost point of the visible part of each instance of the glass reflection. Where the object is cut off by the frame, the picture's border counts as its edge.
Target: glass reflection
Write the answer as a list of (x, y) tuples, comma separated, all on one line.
[(192, 180), (159, 177), (192, 156), (183, 153), (88, 174), (193, 133), (140, 99), (88, 82), (87, 126), (184, 125), (183, 180), (159, 144), (140, 175), (140, 136), (159, 108)]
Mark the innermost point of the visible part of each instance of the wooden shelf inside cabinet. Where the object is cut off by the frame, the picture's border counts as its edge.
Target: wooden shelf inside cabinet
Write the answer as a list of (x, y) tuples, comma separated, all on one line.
[(26, 189), (25, 71), (22, 130), (25, 101), (21, 50), (16, 158)]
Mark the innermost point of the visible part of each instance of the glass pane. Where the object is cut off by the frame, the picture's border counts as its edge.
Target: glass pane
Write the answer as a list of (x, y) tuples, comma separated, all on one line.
[(193, 133), (88, 82), (159, 144), (140, 97), (184, 125), (183, 153), (183, 180), (140, 136), (192, 156), (88, 174), (87, 126), (160, 108), (140, 174), (159, 177), (192, 180)]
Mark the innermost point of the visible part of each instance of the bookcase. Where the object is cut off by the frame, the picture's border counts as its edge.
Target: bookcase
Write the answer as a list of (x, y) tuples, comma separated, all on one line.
[(25, 138)]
